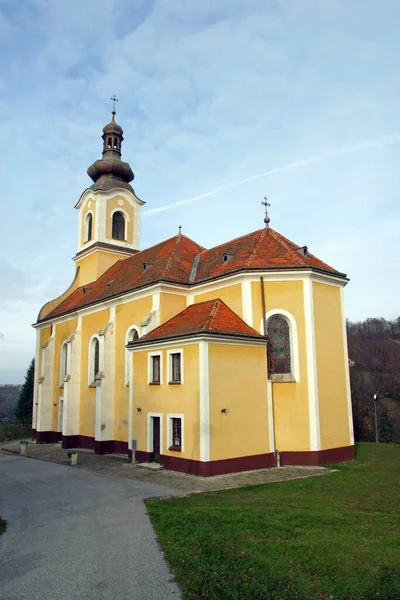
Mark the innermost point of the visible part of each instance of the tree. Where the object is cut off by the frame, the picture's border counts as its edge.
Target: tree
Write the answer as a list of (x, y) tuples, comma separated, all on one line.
[(23, 412)]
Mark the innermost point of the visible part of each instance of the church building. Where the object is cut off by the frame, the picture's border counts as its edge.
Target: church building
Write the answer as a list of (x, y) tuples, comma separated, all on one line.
[(206, 361)]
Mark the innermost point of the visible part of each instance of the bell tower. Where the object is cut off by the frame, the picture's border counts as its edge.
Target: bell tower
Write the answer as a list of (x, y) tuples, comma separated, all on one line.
[(109, 210)]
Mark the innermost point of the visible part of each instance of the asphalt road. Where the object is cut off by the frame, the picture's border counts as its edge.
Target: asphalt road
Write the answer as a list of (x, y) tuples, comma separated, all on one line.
[(76, 535)]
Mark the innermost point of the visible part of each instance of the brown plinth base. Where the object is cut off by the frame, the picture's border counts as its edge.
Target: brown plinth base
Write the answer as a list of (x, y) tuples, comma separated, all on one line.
[(317, 458), (48, 437)]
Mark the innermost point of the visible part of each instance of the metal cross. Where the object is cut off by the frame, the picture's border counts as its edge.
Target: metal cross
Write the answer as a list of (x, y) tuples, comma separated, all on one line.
[(266, 204), (114, 100)]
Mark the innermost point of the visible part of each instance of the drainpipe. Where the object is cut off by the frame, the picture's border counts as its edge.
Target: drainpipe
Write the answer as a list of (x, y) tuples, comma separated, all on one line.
[(269, 384)]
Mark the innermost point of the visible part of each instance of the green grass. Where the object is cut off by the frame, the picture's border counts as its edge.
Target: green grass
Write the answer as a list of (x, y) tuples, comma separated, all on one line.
[(334, 537), (3, 526), (10, 431)]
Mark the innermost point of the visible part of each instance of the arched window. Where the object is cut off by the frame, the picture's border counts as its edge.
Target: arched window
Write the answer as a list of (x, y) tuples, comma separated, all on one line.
[(118, 226), (278, 345), (88, 227), (131, 335), (96, 357), (109, 142), (63, 363)]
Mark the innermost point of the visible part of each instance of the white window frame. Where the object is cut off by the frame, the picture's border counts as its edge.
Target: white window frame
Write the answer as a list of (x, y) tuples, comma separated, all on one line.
[(293, 340), (63, 363), (150, 367), (85, 231), (91, 373), (171, 416), (127, 221), (169, 359), (127, 353), (150, 447)]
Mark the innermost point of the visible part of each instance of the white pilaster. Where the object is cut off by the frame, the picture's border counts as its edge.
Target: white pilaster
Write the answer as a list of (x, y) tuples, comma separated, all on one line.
[(346, 370), (205, 444), (46, 380), (247, 305), (313, 406), (73, 382)]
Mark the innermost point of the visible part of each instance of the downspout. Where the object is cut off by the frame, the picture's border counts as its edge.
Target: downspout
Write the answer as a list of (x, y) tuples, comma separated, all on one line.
[(269, 384)]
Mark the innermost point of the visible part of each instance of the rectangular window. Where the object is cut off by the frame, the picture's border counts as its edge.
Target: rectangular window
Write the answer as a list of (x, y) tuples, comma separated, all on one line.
[(176, 434), (155, 369), (176, 367)]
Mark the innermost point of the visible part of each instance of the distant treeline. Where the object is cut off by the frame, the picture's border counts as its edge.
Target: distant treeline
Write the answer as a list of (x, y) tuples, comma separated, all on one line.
[(374, 346)]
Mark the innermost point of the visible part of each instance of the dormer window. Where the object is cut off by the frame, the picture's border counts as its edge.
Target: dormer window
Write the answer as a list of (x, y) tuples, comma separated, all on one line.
[(118, 226), (227, 257)]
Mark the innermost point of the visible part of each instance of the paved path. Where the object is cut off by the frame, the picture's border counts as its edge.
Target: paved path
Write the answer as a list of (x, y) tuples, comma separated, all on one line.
[(120, 466), (76, 535)]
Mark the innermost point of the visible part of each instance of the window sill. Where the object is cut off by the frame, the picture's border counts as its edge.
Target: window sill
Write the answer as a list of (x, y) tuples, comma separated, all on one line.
[(174, 382), (175, 448), (154, 382), (282, 378)]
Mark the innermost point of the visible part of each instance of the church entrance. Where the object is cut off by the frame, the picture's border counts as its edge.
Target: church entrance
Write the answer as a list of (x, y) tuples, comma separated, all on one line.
[(156, 439)]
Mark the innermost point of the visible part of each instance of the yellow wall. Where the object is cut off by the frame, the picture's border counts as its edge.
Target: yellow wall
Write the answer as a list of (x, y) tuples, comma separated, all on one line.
[(290, 400), (85, 211), (231, 295), (91, 324), (126, 315), (126, 209), (332, 391), (171, 305), (63, 331), (164, 398), (238, 382), (95, 264)]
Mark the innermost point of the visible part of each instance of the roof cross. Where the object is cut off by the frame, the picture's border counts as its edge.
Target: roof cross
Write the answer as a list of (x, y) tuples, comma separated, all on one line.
[(266, 218), (114, 100)]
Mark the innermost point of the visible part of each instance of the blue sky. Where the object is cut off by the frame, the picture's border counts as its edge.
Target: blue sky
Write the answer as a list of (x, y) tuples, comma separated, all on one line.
[(215, 97)]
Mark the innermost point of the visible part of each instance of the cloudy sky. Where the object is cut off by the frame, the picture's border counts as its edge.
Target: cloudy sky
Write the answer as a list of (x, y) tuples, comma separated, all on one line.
[(222, 102)]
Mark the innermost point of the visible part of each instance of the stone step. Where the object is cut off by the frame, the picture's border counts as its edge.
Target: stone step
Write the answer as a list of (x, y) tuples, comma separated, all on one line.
[(150, 466)]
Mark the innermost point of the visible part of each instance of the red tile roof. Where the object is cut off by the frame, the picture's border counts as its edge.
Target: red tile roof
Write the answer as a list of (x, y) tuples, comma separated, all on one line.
[(169, 261), (211, 317), (180, 260)]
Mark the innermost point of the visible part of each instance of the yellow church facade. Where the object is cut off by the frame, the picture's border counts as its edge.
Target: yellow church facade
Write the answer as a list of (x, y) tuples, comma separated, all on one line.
[(205, 361)]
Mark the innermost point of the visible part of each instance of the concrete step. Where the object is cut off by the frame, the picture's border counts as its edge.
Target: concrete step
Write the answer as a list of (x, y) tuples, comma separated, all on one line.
[(150, 466)]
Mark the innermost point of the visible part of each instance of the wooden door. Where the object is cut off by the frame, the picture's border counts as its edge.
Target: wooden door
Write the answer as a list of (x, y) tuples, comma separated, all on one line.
[(156, 439)]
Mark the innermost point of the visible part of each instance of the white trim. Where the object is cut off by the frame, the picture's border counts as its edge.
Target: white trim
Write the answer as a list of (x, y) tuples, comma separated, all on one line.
[(195, 289), (150, 367), (63, 363), (127, 367), (35, 389), (293, 336), (150, 447), (85, 229), (91, 373), (346, 369), (313, 404), (130, 402), (204, 388), (123, 211), (169, 365), (213, 339), (247, 304), (171, 416), (60, 414), (271, 421)]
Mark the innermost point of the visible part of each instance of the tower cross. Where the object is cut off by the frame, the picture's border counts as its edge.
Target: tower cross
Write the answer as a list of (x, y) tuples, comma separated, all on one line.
[(266, 204), (114, 100)]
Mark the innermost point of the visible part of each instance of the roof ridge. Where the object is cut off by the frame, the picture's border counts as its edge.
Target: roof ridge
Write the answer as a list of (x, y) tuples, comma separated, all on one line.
[(214, 312), (171, 256), (240, 237), (252, 255), (285, 243)]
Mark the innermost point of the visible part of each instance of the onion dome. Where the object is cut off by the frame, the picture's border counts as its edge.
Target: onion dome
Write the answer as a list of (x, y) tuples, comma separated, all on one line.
[(110, 171)]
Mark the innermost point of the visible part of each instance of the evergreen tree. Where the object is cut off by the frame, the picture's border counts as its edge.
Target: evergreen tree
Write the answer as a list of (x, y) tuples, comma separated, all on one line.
[(23, 411)]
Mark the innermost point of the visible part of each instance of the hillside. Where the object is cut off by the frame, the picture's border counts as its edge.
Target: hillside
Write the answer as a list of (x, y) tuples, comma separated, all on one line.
[(8, 400)]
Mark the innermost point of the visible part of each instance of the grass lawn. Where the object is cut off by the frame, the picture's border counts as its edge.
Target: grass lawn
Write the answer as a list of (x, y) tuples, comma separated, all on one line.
[(333, 538)]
